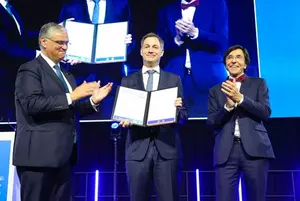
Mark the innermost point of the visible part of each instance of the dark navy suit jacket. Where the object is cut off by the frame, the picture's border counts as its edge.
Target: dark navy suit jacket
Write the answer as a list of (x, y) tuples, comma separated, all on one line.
[(206, 52), (46, 124), (166, 137), (251, 113)]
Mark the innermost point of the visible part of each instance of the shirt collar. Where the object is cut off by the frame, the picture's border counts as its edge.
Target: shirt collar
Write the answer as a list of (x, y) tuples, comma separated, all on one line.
[(233, 77), (3, 3), (145, 69), (49, 61)]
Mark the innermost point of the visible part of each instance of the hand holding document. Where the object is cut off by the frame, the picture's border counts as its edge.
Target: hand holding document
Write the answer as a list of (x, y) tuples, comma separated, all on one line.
[(101, 43), (145, 108)]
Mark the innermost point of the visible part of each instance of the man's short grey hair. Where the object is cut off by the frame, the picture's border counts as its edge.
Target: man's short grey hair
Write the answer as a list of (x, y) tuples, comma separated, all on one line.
[(49, 28)]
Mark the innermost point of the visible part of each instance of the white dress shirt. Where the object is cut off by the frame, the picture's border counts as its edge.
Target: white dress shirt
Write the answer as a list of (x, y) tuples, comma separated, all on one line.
[(3, 3), (52, 64), (188, 14), (237, 132), (102, 10), (155, 76)]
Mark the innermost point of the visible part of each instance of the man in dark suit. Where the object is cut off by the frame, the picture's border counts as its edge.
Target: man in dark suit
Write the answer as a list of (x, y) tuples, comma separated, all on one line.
[(154, 152), (236, 111), (99, 12), (196, 36), (48, 107), (13, 52)]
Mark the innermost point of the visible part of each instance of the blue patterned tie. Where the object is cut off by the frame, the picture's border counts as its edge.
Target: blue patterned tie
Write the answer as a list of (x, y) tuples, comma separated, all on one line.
[(95, 18), (149, 86), (8, 8), (60, 76)]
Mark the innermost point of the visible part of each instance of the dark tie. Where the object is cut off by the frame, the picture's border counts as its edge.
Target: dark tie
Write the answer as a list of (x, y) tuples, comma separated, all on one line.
[(61, 77), (194, 3), (95, 18), (149, 86), (8, 8)]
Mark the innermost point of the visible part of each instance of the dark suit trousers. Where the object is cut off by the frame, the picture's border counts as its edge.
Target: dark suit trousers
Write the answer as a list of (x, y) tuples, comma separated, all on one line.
[(254, 172), (165, 174), (45, 184)]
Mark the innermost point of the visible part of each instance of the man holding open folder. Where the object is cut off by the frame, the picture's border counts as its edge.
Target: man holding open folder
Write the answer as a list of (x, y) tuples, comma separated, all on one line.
[(154, 152)]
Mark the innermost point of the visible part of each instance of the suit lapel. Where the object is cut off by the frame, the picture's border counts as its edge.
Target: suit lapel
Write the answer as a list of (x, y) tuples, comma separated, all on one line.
[(176, 15), (18, 19), (70, 79), (162, 83), (223, 98), (86, 14), (197, 14), (139, 81), (50, 72), (9, 18), (245, 85), (108, 12)]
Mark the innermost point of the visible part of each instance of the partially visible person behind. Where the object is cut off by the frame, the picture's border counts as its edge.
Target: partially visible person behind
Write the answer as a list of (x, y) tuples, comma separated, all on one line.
[(48, 109), (99, 12), (153, 154), (196, 36), (14, 51), (237, 109)]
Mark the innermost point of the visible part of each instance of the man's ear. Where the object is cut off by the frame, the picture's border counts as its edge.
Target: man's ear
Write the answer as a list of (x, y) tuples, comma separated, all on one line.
[(43, 42)]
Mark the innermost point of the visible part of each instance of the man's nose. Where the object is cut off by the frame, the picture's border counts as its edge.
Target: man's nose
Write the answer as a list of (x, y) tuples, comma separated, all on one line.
[(233, 60), (151, 49), (64, 47)]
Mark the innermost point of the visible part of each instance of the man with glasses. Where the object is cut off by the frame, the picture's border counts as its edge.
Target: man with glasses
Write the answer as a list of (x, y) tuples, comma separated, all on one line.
[(14, 51), (48, 108), (236, 111)]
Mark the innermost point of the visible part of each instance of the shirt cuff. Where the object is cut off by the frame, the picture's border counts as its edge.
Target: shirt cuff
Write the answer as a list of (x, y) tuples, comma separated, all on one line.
[(94, 105), (178, 41), (69, 99), (196, 35), (229, 109), (242, 99)]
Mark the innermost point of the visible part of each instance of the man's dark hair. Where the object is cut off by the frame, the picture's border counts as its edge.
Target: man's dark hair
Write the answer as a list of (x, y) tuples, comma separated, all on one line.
[(236, 47), (149, 35)]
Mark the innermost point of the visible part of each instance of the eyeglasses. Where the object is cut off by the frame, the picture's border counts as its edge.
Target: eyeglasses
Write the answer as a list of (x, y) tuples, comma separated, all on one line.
[(60, 42)]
